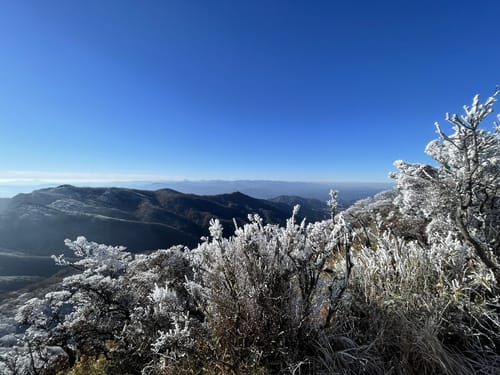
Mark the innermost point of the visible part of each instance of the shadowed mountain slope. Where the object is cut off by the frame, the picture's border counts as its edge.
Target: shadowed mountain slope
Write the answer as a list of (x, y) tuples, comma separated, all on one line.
[(38, 222)]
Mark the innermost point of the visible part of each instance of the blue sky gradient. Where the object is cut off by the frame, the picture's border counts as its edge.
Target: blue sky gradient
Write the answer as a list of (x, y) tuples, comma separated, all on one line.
[(282, 90)]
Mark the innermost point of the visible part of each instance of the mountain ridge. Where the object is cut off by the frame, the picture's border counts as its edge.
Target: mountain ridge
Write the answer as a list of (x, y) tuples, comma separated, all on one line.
[(34, 225)]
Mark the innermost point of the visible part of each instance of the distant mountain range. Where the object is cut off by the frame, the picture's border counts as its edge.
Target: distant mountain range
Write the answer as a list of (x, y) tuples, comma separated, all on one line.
[(33, 226), (349, 192), (38, 222)]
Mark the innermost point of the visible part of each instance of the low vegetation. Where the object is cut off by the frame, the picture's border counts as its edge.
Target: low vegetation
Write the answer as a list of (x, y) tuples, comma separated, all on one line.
[(406, 282)]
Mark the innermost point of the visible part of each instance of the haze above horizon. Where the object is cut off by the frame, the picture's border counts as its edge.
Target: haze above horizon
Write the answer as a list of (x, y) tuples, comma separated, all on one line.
[(261, 90)]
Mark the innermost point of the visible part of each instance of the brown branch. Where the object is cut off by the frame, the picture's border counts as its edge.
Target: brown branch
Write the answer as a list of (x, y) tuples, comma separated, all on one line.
[(481, 253)]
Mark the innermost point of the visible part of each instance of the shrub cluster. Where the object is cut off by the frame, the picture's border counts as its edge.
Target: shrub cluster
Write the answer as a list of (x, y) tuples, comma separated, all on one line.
[(406, 282)]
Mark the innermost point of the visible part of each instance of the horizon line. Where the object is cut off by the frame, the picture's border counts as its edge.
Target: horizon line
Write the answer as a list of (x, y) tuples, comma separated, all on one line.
[(45, 177), (70, 181)]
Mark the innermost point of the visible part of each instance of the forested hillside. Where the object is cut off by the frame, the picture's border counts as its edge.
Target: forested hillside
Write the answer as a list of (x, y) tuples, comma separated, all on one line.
[(406, 282)]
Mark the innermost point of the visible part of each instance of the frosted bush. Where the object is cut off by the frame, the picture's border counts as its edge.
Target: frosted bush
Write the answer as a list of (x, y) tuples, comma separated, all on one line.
[(461, 194), (405, 282), (263, 288)]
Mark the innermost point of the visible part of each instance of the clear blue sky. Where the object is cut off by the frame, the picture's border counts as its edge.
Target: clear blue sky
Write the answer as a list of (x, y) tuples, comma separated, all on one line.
[(283, 90)]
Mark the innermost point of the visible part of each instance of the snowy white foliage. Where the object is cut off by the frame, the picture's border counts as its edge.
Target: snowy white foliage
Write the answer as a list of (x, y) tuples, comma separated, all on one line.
[(150, 310), (268, 283), (215, 229), (95, 257), (173, 343), (461, 194), (404, 282), (113, 298), (332, 202), (431, 308)]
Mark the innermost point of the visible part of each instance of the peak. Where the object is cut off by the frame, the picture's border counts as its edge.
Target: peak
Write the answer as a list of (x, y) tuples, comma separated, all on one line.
[(65, 186), (238, 194), (234, 195)]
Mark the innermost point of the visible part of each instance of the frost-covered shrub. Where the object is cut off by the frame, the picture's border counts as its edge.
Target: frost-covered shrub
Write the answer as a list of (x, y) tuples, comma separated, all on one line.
[(422, 310), (461, 195), (35, 358), (256, 300), (371, 216), (115, 305), (417, 294), (424, 286), (263, 289)]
